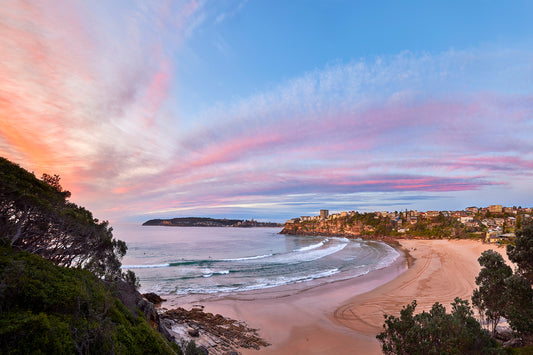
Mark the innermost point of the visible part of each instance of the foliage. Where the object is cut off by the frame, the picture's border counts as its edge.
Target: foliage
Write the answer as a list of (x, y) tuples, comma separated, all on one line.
[(518, 296), (527, 350), (54, 182), (435, 332), (503, 294), (519, 292), (46, 308), (191, 349), (491, 281), (130, 277), (35, 216), (522, 252)]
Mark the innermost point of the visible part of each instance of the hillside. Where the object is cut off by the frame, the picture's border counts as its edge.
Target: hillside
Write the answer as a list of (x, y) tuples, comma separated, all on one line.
[(208, 222), (375, 225), (62, 290), (47, 308)]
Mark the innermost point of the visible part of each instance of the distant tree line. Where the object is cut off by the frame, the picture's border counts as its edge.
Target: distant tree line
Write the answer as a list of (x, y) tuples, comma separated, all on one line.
[(36, 216)]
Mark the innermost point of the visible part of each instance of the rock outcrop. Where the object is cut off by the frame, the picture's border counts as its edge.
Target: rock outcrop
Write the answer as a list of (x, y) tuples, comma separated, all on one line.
[(216, 333), (153, 298), (134, 301), (326, 228)]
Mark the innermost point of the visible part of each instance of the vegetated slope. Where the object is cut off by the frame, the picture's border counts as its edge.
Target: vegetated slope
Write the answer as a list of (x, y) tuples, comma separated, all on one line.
[(60, 276), (373, 225), (45, 308), (36, 216)]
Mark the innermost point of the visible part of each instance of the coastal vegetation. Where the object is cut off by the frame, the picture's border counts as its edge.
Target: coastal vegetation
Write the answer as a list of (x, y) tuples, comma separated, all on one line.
[(36, 216), (375, 225), (471, 223), (501, 293), (521, 253), (61, 288), (47, 308), (436, 331)]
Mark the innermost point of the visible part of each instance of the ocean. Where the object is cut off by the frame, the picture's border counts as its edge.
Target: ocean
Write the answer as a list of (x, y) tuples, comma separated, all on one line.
[(185, 261)]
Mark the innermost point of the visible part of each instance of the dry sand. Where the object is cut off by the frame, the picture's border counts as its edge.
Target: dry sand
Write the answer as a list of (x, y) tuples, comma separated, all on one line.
[(344, 317)]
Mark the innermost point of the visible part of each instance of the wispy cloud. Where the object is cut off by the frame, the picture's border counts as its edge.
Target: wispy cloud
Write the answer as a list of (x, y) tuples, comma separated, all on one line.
[(82, 96), (88, 93)]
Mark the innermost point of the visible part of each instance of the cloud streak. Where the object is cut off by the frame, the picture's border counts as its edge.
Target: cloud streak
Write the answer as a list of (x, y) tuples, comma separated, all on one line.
[(75, 101), (92, 99)]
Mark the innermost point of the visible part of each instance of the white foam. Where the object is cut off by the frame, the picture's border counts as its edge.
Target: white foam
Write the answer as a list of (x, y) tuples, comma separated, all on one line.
[(309, 255), (144, 266), (261, 284), (389, 259), (250, 258), (310, 247), (209, 272), (342, 239)]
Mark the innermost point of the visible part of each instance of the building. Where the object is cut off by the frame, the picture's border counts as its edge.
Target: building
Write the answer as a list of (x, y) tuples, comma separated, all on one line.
[(324, 214), (495, 208), (473, 210), (466, 219), (499, 221), (432, 214)]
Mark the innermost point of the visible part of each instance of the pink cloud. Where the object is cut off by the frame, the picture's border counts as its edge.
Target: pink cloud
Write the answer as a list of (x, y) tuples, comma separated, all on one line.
[(87, 98), (68, 107)]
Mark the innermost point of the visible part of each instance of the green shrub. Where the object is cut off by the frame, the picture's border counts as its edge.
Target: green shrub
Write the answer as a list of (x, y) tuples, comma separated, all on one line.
[(45, 308)]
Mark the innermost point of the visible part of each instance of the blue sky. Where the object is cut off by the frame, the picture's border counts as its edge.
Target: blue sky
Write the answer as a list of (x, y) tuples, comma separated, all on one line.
[(262, 43), (270, 109)]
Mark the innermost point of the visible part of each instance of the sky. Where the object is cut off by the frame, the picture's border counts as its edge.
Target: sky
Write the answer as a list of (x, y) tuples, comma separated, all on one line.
[(270, 109)]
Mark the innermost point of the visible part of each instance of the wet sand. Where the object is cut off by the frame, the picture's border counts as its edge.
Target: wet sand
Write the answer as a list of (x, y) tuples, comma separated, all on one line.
[(344, 317)]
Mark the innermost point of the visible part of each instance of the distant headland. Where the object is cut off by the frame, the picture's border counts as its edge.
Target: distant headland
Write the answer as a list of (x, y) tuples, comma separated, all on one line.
[(209, 222)]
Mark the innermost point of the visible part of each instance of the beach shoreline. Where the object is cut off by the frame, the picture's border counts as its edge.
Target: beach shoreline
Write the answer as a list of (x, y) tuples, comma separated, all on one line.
[(343, 317)]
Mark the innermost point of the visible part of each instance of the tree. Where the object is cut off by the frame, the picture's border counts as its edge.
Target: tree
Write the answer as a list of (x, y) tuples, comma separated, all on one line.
[(436, 332), (491, 281), (518, 222), (35, 216), (54, 182), (522, 252), (518, 295), (504, 294)]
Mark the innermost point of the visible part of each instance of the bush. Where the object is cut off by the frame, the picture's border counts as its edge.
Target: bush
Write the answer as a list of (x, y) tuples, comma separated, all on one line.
[(46, 308), (436, 332)]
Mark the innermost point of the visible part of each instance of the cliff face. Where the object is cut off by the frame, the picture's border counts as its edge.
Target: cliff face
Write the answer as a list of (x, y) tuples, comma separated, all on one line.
[(345, 227), (341, 228)]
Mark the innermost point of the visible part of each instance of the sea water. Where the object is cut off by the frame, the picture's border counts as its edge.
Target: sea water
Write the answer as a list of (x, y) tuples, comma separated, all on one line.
[(184, 261)]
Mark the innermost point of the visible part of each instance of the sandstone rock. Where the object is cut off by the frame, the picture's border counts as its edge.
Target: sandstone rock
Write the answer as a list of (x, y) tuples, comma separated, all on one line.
[(153, 297), (193, 332)]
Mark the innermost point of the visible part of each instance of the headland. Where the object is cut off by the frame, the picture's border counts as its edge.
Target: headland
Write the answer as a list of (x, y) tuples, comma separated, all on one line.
[(209, 222)]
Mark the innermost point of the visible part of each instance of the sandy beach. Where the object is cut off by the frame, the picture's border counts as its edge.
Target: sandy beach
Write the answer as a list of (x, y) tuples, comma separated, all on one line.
[(344, 317)]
